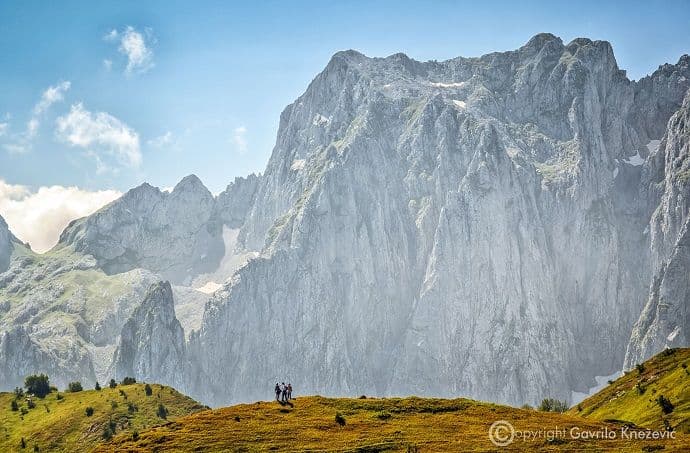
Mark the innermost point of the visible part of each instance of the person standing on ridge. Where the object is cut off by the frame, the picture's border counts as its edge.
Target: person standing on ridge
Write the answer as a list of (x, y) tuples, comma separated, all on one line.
[(277, 390), (289, 391)]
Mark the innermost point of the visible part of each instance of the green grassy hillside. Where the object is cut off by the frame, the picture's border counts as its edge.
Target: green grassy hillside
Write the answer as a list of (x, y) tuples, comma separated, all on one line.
[(635, 396), (373, 425), (59, 423), (630, 404)]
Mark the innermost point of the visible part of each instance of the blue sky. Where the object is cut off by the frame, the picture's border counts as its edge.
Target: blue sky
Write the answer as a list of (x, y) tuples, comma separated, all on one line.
[(205, 95)]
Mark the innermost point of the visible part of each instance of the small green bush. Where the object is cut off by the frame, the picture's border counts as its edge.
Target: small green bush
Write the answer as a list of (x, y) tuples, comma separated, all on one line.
[(162, 411), (37, 384), (339, 419), (74, 387), (148, 390), (113, 384), (665, 404), (383, 415), (129, 381), (640, 368), (30, 403), (89, 411), (553, 405), (14, 406), (98, 386)]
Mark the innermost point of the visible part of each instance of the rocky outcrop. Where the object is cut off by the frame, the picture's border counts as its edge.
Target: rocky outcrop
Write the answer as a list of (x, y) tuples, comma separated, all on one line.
[(233, 204), (152, 343), (173, 234), (665, 320), (61, 315), (6, 245), (21, 355)]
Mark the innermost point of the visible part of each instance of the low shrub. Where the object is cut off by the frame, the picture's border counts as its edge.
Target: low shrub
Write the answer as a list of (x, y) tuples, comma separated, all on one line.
[(553, 405), (665, 404), (162, 411)]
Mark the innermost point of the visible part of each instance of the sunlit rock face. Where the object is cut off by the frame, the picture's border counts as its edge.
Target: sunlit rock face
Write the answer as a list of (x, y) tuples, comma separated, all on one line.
[(665, 320), (470, 227), (152, 344)]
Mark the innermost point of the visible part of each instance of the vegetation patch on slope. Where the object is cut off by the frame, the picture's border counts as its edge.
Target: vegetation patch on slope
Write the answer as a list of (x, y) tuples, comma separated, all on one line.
[(654, 394), (77, 421)]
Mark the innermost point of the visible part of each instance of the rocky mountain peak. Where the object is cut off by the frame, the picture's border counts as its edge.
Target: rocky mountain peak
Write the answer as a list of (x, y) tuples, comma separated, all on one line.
[(191, 183), (152, 345), (541, 40)]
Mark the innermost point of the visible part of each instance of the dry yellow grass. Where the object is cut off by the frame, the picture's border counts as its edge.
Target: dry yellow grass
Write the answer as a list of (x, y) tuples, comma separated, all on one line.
[(373, 425)]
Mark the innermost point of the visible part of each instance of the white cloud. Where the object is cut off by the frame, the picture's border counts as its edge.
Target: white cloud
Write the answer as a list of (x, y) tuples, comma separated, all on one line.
[(21, 142), (136, 46), (161, 141), (239, 139), (16, 148), (32, 127), (108, 64), (100, 133), (111, 35), (50, 96), (38, 217)]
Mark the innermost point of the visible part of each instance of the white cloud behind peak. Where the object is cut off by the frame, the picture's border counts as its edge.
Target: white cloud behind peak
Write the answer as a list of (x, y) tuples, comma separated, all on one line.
[(136, 46), (101, 135), (39, 216)]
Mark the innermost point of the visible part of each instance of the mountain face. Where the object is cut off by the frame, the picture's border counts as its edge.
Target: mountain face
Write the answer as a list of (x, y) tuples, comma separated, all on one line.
[(665, 320), (491, 227), (466, 227), (152, 343)]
